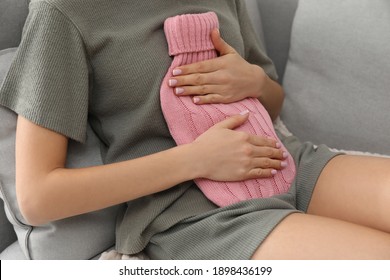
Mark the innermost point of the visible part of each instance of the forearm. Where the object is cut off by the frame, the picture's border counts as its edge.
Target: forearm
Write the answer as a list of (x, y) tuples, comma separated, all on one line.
[(67, 192), (271, 95), (47, 191)]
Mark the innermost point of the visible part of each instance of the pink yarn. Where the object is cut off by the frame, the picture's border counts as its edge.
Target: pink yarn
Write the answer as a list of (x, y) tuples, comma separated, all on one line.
[(189, 41)]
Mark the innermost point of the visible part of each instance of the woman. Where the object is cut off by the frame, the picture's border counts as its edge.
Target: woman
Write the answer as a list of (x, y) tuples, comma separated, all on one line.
[(102, 62)]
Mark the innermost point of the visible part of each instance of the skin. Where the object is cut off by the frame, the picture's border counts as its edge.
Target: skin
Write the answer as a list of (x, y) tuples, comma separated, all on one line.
[(227, 79), (346, 217), (47, 191)]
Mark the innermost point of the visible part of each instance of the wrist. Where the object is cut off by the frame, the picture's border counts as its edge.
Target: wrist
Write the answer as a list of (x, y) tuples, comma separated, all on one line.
[(261, 79), (191, 162)]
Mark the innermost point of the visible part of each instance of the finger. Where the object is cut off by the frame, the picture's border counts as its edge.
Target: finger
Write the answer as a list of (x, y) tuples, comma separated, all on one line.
[(197, 79), (197, 90), (234, 121), (209, 99), (268, 163), (258, 173), (205, 66), (264, 141), (268, 152), (220, 45)]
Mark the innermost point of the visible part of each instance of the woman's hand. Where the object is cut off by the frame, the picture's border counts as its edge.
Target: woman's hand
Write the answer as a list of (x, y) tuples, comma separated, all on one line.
[(225, 79), (222, 154)]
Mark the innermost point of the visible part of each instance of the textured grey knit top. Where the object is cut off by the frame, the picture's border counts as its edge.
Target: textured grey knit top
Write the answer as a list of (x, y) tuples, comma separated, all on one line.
[(103, 62)]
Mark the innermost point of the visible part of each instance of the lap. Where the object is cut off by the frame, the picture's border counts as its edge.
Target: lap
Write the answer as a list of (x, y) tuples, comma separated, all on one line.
[(304, 236), (346, 218), (354, 189), (236, 231)]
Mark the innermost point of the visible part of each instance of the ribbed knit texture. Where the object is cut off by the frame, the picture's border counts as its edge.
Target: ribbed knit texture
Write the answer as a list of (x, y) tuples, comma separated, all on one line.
[(189, 41), (63, 115), (106, 60)]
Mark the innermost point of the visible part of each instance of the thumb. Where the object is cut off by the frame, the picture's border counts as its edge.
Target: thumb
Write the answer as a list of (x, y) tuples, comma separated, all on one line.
[(220, 45), (234, 121)]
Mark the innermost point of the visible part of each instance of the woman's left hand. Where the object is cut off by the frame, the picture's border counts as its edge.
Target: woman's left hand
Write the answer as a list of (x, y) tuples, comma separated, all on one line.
[(225, 79)]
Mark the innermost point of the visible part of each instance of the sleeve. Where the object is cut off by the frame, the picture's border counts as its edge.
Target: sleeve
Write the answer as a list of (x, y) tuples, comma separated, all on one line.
[(254, 49), (48, 81)]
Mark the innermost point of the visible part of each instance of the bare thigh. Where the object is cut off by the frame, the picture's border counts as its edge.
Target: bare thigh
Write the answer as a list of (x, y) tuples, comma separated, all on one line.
[(354, 189), (303, 236), (347, 216)]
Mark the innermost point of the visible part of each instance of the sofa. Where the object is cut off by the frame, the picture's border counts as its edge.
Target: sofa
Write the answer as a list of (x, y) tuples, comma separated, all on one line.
[(332, 58)]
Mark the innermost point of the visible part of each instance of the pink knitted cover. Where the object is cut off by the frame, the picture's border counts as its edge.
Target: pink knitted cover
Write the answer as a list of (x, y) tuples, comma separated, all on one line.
[(189, 41)]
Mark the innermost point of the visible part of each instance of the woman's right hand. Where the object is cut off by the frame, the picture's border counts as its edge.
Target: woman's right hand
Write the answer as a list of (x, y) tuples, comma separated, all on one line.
[(223, 154)]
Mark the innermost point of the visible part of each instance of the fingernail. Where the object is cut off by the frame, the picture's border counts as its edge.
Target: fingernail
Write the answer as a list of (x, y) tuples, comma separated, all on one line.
[(243, 113), (278, 145), (179, 90), (284, 164), (172, 82), (176, 72), (196, 99), (285, 155), (274, 172)]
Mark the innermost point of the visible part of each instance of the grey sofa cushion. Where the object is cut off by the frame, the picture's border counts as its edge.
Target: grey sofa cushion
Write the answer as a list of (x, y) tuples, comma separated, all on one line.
[(80, 237), (13, 13), (7, 233), (6, 57), (337, 77), (13, 252), (254, 14), (277, 18)]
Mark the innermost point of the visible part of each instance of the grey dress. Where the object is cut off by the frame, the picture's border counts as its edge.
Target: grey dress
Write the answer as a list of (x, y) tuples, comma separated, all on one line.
[(102, 62)]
